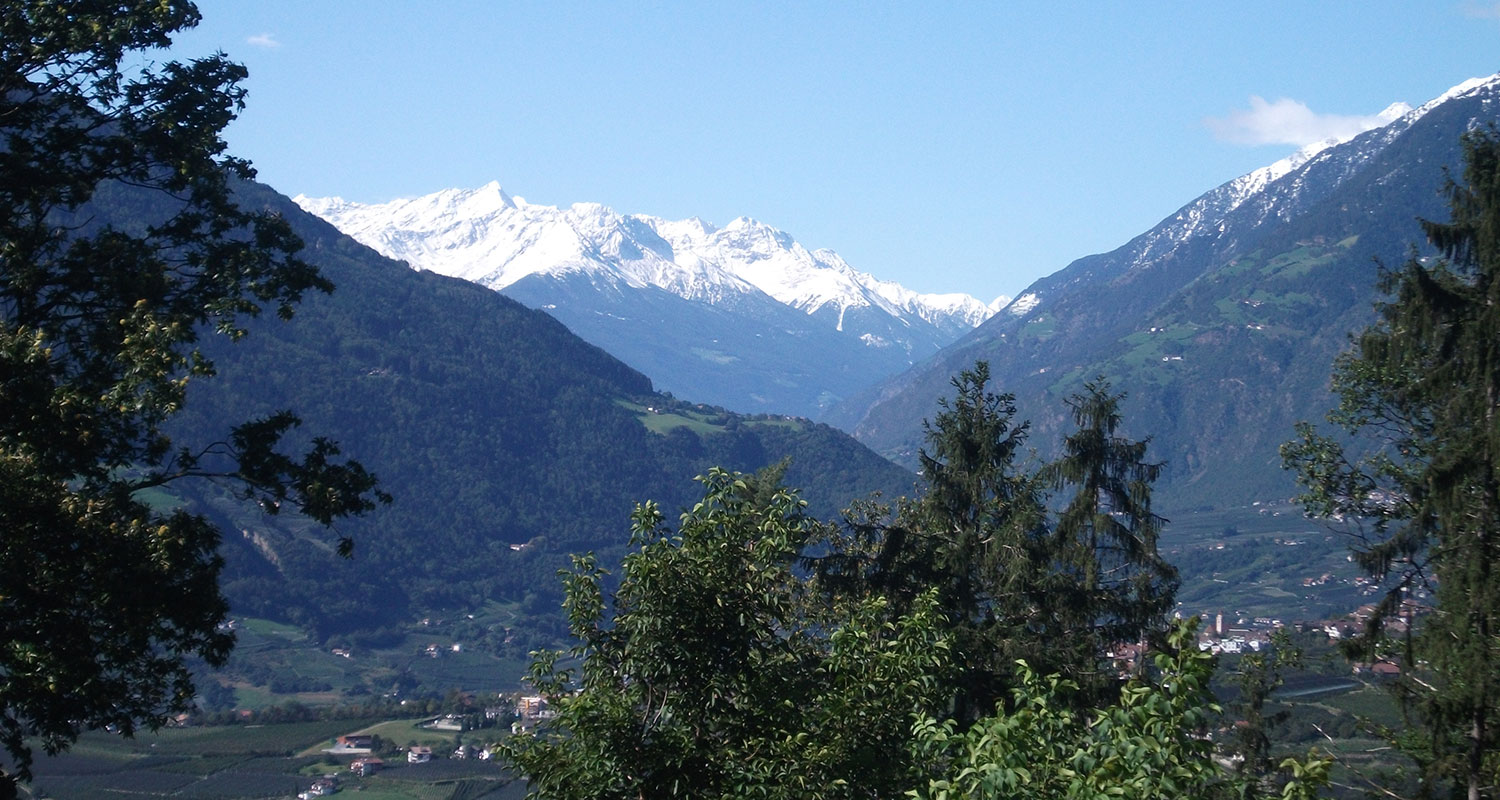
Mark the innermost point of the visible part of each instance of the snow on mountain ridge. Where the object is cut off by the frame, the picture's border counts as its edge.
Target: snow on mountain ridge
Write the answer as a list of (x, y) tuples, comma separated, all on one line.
[(1276, 189), (1465, 88), (489, 237), (1252, 182)]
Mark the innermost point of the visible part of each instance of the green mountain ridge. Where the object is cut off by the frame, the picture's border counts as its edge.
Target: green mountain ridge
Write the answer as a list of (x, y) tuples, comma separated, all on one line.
[(1221, 329)]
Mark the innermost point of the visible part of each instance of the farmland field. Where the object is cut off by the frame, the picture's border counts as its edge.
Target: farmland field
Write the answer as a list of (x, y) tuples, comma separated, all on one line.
[(252, 761)]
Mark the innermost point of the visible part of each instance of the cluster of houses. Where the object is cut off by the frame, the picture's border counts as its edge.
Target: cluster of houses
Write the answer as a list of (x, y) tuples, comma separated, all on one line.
[(1252, 635), (419, 754), (1365, 584), (1241, 637), (365, 763), (530, 710)]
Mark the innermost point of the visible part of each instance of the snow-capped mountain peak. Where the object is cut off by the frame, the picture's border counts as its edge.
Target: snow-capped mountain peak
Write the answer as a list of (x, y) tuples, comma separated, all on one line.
[(493, 238), (741, 315)]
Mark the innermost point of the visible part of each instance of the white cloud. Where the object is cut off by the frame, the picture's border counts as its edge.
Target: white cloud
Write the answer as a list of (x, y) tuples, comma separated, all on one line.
[(263, 40), (1482, 10), (1286, 121)]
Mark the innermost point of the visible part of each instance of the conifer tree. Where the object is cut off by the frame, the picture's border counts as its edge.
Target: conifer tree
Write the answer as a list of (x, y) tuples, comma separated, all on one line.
[(977, 529), (1012, 583), (1108, 583), (1421, 388)]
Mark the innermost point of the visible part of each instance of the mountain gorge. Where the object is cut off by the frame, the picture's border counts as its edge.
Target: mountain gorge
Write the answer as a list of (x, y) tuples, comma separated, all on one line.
[(742, 315), (1222, 321)]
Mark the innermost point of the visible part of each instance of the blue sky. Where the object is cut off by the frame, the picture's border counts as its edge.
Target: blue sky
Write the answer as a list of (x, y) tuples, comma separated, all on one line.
[(952, 147)]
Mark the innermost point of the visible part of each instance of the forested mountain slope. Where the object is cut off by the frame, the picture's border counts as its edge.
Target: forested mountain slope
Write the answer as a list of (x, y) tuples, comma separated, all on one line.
[(506, 440), (1222, 321)]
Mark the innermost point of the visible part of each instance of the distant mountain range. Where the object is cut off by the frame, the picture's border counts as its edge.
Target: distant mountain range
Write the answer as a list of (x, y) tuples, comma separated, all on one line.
[(742, 315), (1222, 321)]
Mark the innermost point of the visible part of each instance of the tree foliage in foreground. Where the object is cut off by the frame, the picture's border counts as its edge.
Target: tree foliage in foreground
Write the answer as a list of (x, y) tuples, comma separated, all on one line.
[(1150, 744), (102, 596), (710, 674), (723, 674), (1421, 389)]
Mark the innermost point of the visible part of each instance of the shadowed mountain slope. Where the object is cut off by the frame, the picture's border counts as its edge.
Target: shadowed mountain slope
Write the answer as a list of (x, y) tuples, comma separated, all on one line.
[(507, 441)]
